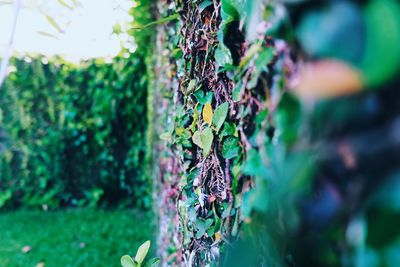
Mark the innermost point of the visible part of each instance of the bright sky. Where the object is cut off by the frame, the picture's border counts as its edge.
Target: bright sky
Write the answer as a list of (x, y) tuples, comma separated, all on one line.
[(86, 28)]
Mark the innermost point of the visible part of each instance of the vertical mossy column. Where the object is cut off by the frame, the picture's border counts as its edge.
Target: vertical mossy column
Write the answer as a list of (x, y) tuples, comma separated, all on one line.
[(213, 93)]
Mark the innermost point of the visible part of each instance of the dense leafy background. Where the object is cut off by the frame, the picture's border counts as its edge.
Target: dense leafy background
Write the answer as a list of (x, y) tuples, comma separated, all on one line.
[(74, 135)]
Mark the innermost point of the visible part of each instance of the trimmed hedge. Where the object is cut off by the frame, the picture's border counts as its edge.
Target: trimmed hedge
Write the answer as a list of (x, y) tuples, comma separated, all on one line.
[(77, 134), (74, 135)]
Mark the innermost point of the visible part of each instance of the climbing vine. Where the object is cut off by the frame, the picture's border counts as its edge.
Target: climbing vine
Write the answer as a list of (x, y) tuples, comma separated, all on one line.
[(243, 156), (223, 90)]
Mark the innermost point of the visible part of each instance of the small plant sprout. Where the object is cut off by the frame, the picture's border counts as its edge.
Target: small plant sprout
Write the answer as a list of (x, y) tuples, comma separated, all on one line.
[(138, 260)]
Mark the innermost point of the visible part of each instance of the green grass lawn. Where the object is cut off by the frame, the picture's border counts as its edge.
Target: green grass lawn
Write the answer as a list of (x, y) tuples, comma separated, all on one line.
[(71, 237)]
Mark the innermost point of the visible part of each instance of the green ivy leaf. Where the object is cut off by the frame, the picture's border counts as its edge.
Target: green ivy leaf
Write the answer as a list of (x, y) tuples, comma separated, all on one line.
[(127, 261), (207, 138), (230, 148), (229, 129), (202, 226), (197, 139), (183, 133), (209, 97), (220, 115), (204, 140), (199, 94), (223, 55)]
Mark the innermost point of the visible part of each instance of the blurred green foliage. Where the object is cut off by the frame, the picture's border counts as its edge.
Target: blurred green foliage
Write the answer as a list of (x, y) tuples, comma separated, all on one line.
[(74, 135), (366, 36)]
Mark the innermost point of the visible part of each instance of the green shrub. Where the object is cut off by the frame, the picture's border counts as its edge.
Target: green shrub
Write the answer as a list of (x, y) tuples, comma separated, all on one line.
[(74, 135)]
